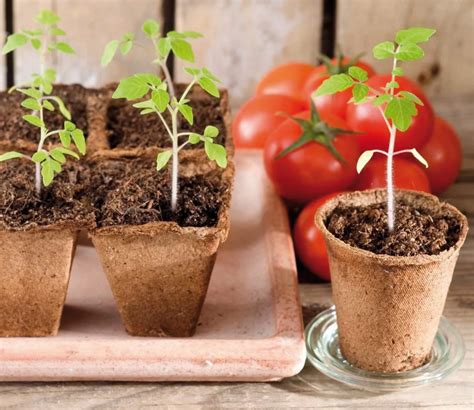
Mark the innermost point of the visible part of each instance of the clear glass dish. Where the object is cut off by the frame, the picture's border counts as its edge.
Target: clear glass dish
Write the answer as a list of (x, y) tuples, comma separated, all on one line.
[(322, 346)]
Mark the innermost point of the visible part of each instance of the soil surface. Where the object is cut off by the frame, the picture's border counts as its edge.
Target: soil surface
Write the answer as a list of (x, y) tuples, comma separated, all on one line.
[(21, 207), (14, 128), (129, 129), (133, 193), (417, 231)]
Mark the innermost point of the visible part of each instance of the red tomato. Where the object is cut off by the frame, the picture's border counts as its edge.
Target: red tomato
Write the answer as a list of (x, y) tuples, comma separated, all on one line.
[(444, 155), (259, 116), (367, 119), (406, 175), (334, 103), (311, 170), (285, 79), (309, 241)]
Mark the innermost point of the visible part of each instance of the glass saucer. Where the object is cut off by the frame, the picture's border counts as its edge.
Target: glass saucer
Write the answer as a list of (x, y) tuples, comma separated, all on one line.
[(322, 346)]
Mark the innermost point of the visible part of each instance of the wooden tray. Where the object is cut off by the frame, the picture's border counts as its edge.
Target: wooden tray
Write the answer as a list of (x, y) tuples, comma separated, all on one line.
[(250, 328)]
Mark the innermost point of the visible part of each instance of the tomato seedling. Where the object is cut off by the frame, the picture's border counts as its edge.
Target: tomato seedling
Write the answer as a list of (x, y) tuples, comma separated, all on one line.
[(398, 108), (39, 98), (157, 96)]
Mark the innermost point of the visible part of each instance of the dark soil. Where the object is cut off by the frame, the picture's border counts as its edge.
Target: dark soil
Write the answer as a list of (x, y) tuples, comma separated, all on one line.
[(416, 232), (129, 129), (21, 207), (14, 128), (132, 192)]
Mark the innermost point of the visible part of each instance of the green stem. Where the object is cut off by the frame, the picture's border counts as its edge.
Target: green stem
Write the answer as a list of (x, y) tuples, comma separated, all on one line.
[(175, 163)]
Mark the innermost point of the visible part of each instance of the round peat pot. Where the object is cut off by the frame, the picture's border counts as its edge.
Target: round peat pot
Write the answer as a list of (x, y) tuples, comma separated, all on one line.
[(388, 307)]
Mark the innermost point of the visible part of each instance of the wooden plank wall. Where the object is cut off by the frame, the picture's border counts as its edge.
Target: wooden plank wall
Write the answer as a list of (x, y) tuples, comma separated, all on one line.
[(244, 38)]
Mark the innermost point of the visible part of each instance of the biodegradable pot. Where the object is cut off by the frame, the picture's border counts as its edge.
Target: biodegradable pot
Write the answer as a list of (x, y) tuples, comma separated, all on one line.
[(388, 307), (159, 272), (34, 278)]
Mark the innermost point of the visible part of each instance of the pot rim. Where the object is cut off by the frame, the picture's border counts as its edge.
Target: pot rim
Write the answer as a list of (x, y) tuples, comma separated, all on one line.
[(380, 195)]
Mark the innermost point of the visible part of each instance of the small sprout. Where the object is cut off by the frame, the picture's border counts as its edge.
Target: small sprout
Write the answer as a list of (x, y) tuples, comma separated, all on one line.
[(39, 98), (398, 108), (158, 95)]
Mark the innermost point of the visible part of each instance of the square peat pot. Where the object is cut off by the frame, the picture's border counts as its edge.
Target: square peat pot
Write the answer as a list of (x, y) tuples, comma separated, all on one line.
[(250, 328)]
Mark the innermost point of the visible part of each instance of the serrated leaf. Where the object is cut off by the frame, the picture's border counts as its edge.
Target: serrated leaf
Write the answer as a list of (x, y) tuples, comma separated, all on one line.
[(411, 96), (164, 47), (209, 86), (31, 104), (162, 159), (414, 35), (65, 137), (398, 71), (31, 92), (13, 42), (64, 48), (36, 43), (161, 99), (187, 113), (47, 17), (194, 138), (419, 157), (10, 155), (149, 78), (39, 156), (211, 131), (358, 73), (359, 92), (34, 120), (48, 106), (126, 47), (182, 49), (334, 84), (381, 99), (151, 28), (109, 52), (383, 50), (392, 84), (401, 111), (364, 158), (131, 88), (217, 153), (79, 140), (410, 52)]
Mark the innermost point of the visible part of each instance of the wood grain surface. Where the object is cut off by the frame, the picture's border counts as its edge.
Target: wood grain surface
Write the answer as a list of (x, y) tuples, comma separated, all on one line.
[(309, 389)]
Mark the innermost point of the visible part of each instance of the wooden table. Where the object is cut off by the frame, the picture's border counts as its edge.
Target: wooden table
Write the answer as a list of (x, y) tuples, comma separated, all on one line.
[(309, 389)]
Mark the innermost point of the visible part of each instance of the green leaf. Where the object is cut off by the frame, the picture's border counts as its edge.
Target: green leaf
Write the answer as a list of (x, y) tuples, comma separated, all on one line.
[(334, 84), (50, 75), (47, 172), (149, 78), (211, 131), (208, 74), (39, 156), (31, 104), (411, 96), (381, 99), (392, 84), (217, 153), (62, 108), (10, 155), (144, 104), (161, 99), (187, 113), (397, 71), (48, 106), (146, 111), (151, 28), (109, 52), (162, 159), (65, 137), (69, 126), (383, 50), (79, 140), (182, 49), (31, 92), (34, 120), (358, 73), (36, 43), (419, 157), (194, 138), (33, 33), (47, 17), (401, 111), (410, 52), (56, 31), (13, 42), (126, 47), (359, 92), (58, 156), (67, 152), (414, 35), (131, 88), (192, 34), (209, 86), (364, 158), (64, 48), (164, 47), (192, 71)]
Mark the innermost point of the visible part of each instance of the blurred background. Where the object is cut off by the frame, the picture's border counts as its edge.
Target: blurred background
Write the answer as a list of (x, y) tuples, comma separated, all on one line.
[(245, 38)]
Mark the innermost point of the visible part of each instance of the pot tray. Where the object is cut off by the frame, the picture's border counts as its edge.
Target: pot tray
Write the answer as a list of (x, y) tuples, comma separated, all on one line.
[(250, 328)]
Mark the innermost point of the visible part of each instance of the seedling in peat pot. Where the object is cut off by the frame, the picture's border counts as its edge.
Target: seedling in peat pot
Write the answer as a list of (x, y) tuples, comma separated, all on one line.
[(39, 97), (397, 107), (157, 96)]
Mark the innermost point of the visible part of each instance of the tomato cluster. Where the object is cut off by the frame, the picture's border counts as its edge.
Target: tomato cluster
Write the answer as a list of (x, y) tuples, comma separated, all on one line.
[(311, 145)]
